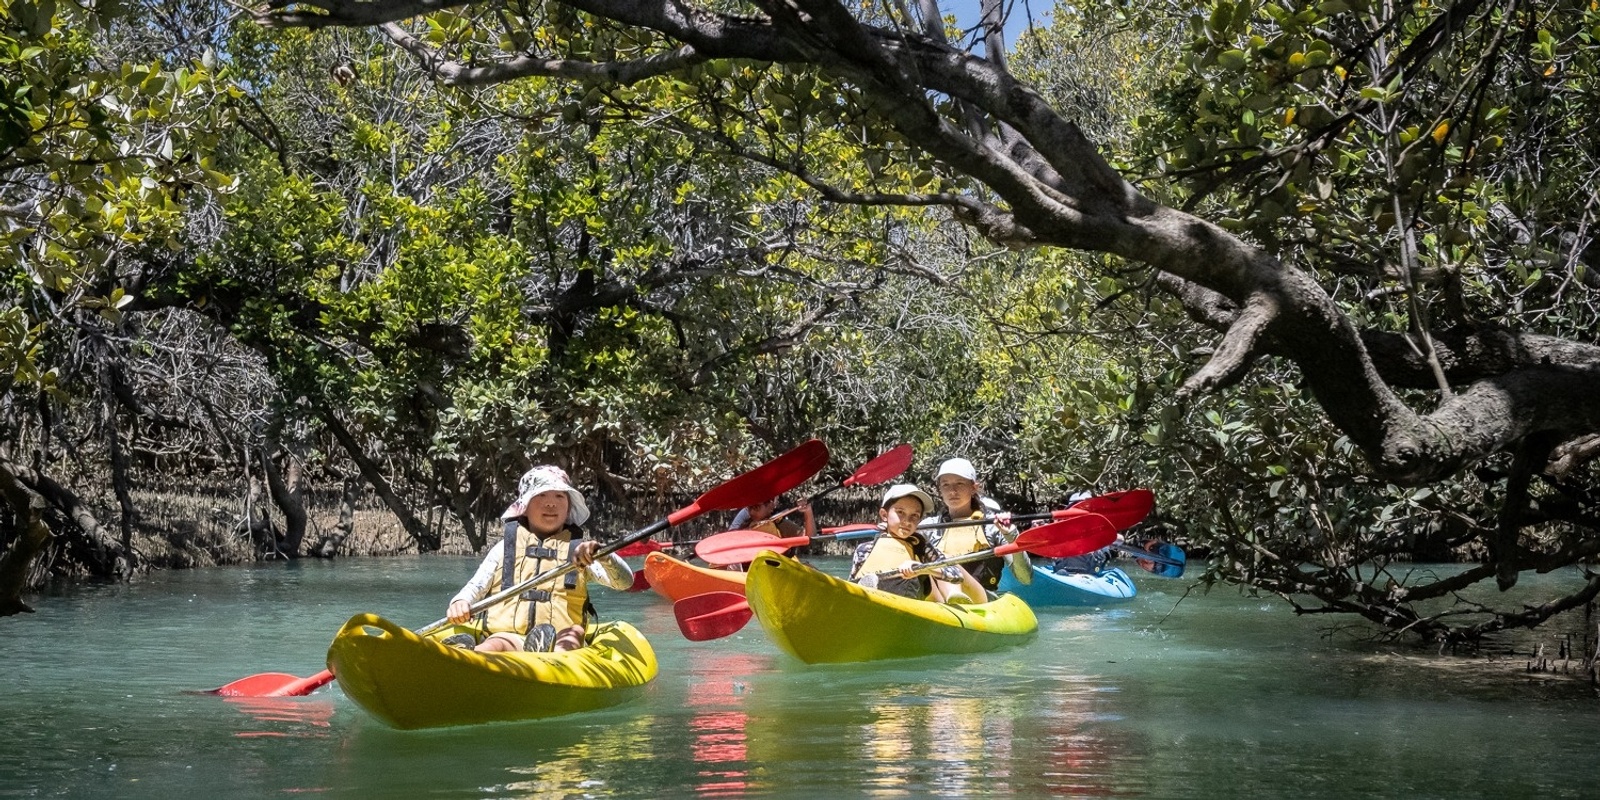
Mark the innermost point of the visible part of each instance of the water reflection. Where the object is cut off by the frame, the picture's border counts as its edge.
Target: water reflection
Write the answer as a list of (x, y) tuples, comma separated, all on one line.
[(1218, 696), (718, 735), (1079, 761), (302, 717), (718, 743)]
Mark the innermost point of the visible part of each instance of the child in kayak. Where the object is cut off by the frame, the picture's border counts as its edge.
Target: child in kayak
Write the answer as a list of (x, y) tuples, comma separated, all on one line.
[(756, 518), (957, 483), (542, 533), (899, 547)]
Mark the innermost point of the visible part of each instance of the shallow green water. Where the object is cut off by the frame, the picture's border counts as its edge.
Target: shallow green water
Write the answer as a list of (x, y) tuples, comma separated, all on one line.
[(1216, 696)]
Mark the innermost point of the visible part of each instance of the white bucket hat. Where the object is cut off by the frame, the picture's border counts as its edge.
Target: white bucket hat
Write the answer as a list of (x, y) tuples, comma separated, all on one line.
[(545, 479), (900, 490), (959, 467)]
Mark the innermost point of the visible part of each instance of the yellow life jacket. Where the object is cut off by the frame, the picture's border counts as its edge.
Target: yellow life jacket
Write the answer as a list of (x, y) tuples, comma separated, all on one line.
[(970, 539), (561, 603), (965, 539), (887, 554)]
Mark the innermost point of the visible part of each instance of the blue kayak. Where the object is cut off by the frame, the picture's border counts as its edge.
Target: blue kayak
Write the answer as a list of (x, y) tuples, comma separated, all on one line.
[(1104, 587)]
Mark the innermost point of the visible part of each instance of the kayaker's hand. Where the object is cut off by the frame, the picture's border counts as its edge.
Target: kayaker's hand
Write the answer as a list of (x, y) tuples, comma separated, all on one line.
[(908, 568), (1002, 521), (584, 552), (460, 611)]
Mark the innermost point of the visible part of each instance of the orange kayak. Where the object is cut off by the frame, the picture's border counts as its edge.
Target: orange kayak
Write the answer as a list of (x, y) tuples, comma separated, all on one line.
[(675, 580)]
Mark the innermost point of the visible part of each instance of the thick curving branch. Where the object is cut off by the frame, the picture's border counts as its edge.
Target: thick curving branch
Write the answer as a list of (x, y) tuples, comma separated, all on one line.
[(346, 13), (1238, 351), (622, 73), (1051, 186)]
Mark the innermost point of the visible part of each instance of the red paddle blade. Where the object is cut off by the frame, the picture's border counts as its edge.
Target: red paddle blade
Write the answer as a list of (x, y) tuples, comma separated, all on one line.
[(760, 484), (1073, 536), (273, 684), (883, 468), (258, 685), (640, 582), (742, 546), (643, 547), (712, 615), (1123, 509)]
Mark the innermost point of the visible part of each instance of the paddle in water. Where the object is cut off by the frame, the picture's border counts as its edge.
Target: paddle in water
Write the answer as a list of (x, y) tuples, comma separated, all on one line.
[(742, 546), (717, 614), (756, 486)]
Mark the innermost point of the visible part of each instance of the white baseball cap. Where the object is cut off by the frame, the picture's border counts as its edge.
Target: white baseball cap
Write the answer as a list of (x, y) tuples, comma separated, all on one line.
[(900, 490), (547, 478), (959, 467)]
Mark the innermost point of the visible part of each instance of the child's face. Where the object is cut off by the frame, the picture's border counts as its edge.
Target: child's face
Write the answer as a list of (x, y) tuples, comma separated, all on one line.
[(902, 517), (547, 512), (957, 492)]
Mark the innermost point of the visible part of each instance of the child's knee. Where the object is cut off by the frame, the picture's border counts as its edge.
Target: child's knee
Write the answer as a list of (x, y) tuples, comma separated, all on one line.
[(570, 638)]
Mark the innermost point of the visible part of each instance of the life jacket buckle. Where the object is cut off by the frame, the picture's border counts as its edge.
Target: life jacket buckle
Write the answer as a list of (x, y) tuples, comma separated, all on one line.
[(536, 595)]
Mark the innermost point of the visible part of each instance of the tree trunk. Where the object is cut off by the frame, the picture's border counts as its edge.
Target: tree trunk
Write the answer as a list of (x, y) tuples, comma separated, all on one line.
[(427, 541), (86, 541), (127, 564), (29, 539), (288, 493), (330, 544), (257, 521)]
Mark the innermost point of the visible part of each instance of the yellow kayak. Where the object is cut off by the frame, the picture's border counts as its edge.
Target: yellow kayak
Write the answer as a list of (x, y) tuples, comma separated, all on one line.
[(819, 619), (409, 681)]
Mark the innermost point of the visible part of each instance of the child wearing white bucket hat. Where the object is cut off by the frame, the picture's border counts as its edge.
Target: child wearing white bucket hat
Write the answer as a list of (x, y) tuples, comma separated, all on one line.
[(542, 531), (900, 547)]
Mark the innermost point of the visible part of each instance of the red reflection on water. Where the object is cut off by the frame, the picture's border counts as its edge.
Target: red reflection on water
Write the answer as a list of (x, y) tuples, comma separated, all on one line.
[(719, 742), (719, 739), (1080, 763), (297, 712)]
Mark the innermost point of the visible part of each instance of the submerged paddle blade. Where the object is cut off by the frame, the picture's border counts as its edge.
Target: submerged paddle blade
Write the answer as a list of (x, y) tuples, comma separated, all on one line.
[(273, 684), (742, 546), (1123, 509), (1073, 536), (258, 685), (712, 615)]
